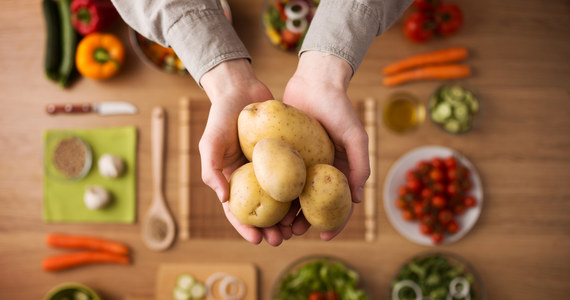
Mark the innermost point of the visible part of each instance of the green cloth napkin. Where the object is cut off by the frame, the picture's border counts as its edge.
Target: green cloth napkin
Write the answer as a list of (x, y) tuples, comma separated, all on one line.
[(63, 199)]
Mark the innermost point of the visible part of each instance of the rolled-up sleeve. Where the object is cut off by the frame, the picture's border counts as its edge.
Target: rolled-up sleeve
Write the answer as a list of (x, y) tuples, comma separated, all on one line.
[(346, 28), (197, 30)]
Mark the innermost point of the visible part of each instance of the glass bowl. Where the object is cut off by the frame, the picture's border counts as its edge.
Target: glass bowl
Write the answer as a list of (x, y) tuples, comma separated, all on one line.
[(163, 58), (67, 157), (403, 112), (455, 107), (319, 274), (71, 290), (285, 22), (436, 275)]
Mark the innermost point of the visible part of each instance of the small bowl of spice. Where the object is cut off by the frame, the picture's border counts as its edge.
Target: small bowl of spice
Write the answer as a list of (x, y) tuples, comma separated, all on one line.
[(68, 157)]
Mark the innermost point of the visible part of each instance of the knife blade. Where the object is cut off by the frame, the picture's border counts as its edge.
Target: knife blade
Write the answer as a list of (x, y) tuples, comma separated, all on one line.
[(102, 108)]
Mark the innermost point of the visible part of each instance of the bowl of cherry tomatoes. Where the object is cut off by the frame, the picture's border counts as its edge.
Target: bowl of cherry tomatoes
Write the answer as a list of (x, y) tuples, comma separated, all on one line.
[(433, 195)]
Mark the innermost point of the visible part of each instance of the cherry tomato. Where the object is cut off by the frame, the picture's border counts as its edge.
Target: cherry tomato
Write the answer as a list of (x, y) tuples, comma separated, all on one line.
[(423, 167), (452, 174), (331, 295), (407, 215), (445, 216), (438, 201), (400, 203), (450, 162), (452, 189), (425, 229), (418, 208), (452, 227), (419, 27), (469, 201), (426, 193), (428, 220), (402, 191), (436, 175), (427, 5), (459, 209), (414, 185), (316, 296), (411, 174), (449, 19), (436, 237), (437, 163), (438, 188)]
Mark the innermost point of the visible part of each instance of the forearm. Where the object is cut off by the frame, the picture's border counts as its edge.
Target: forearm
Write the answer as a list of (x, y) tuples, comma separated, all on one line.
[(187, 27)]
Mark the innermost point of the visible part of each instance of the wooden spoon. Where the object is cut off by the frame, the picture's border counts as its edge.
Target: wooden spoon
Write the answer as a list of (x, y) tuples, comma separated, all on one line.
[(158, 226)]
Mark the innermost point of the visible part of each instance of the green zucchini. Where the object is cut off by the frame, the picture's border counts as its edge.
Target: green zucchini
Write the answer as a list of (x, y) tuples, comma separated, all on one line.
[(453, 107), (68, 44), (52, 57)]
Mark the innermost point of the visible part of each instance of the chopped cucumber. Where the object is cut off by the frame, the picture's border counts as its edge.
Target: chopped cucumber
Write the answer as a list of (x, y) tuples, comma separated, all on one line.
[(185, 281), (454, 108), (188, 288), (198, 291), (181, 294)]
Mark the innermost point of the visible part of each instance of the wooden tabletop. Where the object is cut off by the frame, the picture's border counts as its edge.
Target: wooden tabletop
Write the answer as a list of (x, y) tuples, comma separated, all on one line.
[(520, 244)]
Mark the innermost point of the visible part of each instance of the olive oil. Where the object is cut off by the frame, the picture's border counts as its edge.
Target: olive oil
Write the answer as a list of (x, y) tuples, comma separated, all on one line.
[(403, 113)]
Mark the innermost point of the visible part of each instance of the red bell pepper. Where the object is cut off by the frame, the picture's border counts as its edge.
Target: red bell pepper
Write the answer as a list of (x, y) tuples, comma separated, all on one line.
[(88, 16)]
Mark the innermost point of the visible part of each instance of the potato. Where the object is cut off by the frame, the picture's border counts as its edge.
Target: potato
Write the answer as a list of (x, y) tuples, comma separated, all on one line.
[(326, 200), (250, 204), (279, 169), (274, 119)]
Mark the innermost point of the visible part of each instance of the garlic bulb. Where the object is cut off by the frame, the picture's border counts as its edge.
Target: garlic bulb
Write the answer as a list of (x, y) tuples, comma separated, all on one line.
[(96, 197), (110, 166)]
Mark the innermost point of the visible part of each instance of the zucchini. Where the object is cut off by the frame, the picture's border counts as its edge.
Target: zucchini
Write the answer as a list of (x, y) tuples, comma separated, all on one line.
[(68, 44), (188, 288), (52, 57), (453, 108)]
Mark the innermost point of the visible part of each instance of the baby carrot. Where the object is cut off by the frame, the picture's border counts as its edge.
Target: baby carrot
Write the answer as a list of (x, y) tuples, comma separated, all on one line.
[(435, 72), (85, 242), (436, 57), (74, 259)]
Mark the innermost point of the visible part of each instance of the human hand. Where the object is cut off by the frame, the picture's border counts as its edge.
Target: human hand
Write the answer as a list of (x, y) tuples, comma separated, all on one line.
[(318, 88), (231, 86)]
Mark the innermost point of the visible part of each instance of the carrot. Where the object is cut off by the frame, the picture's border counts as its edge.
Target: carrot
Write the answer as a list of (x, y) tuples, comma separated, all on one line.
[(435, 72), (436, 57), (85, 242), (75, 259)]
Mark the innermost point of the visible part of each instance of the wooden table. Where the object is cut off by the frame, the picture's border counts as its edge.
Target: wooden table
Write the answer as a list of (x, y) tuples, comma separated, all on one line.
[(520, 245)]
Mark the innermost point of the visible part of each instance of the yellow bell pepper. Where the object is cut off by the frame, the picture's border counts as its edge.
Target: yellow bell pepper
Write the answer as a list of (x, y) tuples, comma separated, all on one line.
[(99, 55)]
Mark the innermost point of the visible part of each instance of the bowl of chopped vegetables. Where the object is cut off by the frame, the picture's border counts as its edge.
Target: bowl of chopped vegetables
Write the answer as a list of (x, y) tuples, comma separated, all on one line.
[(285, 22), (436, 276), (455, 107), (319, 277), (71, 291)]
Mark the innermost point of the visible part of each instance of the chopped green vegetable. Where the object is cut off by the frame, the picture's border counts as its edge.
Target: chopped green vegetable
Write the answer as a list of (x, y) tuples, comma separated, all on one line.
[(453, 108), (433, 274), (322, 276)]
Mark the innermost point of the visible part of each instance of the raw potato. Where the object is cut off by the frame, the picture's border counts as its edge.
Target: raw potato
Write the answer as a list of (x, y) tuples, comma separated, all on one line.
[(326, 200), (279, 169), (250, 204), (274, 119)]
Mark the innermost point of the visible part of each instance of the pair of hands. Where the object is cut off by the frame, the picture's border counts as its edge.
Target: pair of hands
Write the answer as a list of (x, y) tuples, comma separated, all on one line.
[(318, 88)]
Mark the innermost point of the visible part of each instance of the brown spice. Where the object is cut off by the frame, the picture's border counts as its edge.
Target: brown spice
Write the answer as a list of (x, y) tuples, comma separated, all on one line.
[(69, 157), (157, 228)]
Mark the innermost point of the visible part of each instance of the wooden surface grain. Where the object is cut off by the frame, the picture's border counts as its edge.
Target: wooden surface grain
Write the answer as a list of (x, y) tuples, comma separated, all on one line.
[(520, 245)]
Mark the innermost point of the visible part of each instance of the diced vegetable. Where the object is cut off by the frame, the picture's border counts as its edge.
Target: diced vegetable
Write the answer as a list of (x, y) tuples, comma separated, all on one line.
[(453, 108), (188, 288)]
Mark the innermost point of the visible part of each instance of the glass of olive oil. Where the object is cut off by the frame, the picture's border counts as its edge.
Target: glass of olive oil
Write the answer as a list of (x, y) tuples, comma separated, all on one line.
[(403, 112)]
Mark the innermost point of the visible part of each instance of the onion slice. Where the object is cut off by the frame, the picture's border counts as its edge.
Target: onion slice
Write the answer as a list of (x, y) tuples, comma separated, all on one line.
[(295, 10), (229, 287)]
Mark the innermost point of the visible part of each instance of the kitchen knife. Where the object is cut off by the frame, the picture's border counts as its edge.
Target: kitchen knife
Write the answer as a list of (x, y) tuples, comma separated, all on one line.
[(102, 108)]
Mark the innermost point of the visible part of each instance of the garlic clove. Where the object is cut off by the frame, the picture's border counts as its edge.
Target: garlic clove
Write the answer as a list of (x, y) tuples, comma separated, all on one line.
[(110, 166), (96, 197)]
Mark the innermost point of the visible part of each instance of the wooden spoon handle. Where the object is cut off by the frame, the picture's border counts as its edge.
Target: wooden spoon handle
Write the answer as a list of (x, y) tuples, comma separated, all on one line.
[(157, 147)]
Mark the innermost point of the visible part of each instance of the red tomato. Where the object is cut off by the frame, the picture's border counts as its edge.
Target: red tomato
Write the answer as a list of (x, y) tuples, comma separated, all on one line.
[(423, 167), (331, 295), (469, 201), (437, 163), (450, 162), (400, 203), (438, 188), (452, 174), (290, 38), (419, 27), (414, 185), (426, 193), (436, 237), (425, 229), (452, 189), (427, 5), (452, 226), (407, 215), (402, 191), (316, 296), (445, 216), (411, 174), (418, 208), (436, 175), (459, 209), (449, 19), (438, 201), (428, 220)]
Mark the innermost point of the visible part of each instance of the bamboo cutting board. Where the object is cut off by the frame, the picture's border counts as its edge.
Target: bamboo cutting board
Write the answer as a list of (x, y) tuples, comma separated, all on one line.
[(206, 219), (168, 274)]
